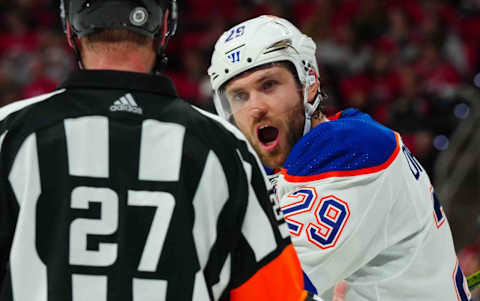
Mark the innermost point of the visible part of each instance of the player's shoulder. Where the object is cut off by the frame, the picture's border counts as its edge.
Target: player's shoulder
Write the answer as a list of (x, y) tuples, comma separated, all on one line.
[(350, 144)]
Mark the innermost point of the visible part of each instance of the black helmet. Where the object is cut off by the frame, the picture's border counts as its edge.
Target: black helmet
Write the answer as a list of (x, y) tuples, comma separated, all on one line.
[(151, 18), (145, 17)]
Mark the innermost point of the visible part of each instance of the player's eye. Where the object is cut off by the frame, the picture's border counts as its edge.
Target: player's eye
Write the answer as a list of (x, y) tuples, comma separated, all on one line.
[(239, 97), (269, 84)]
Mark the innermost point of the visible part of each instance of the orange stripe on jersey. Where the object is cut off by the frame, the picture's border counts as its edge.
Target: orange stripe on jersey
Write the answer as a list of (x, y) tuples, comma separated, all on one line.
[(336, 116), (346, 173), (281, 279)]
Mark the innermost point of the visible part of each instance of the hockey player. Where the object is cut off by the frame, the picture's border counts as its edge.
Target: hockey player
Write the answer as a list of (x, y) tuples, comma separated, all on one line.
[(113, 188), (359, 206)]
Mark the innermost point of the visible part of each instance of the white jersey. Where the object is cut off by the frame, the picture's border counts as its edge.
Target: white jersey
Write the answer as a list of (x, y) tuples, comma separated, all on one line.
[(361, 208)]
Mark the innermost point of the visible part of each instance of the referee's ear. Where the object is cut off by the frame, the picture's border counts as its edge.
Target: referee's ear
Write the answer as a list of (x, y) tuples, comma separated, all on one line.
[(69, 34)]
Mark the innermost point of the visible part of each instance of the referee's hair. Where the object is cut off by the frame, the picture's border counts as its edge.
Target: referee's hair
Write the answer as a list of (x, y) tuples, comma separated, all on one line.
[(106, 38)]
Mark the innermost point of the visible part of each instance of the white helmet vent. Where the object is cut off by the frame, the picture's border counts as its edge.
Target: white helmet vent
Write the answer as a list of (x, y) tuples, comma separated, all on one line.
[(280, 45)]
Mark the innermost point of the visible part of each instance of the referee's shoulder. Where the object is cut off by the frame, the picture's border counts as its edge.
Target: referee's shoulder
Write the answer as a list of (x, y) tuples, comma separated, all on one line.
[(24, 104), (213, 127)]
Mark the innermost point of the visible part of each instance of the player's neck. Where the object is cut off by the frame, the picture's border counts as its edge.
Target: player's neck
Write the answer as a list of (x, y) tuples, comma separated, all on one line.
[(317, 119)]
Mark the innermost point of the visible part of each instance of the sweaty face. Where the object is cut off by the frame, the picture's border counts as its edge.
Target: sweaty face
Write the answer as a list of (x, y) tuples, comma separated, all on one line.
[(267, 107)]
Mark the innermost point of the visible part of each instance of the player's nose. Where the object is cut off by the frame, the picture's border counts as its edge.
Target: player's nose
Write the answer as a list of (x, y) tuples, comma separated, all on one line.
[(257, 107)]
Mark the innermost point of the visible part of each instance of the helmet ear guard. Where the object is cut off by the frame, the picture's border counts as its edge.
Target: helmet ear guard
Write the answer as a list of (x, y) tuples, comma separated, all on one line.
[(311, 105), (312, 77)]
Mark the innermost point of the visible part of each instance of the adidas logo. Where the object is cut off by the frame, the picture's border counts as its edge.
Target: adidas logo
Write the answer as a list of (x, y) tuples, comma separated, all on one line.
[(126, 103)]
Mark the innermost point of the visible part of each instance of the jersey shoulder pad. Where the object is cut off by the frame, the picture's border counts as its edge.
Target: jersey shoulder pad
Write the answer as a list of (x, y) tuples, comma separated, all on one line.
[(354, 144)]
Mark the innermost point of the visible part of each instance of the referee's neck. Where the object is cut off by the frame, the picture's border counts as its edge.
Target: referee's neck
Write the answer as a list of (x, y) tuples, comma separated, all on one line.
[(134, 59)]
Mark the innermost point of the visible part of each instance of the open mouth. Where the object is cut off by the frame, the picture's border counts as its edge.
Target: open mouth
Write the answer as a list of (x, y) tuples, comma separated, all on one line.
[(267, 135)]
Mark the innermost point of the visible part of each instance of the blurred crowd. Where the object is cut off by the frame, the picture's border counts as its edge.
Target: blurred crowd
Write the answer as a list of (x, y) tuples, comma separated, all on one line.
[(402, 61), (399, 60)]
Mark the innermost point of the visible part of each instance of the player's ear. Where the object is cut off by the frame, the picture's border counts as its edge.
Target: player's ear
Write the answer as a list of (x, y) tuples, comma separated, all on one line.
[(313, 85)]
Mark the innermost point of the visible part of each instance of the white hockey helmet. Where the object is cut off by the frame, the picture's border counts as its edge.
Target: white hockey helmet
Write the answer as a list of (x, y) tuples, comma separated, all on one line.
[(259, 41)]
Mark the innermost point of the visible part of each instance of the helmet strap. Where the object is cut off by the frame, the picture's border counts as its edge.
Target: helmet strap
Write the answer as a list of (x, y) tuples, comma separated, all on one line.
[(310, 108), (73, 43), (161, 58)]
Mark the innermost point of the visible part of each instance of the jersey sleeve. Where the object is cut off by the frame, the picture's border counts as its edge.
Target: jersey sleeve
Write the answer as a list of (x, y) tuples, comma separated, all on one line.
[(3, 217), (265, 265), (8, 211)]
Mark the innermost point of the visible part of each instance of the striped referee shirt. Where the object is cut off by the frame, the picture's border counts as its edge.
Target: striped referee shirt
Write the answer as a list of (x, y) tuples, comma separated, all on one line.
[(112, 188)]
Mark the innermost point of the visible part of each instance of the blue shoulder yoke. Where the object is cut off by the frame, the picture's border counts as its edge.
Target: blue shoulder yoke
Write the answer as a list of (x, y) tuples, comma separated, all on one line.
[(352, 142)]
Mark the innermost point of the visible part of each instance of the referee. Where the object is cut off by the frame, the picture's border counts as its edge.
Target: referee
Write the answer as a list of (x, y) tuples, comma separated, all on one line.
[(112, 188)]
